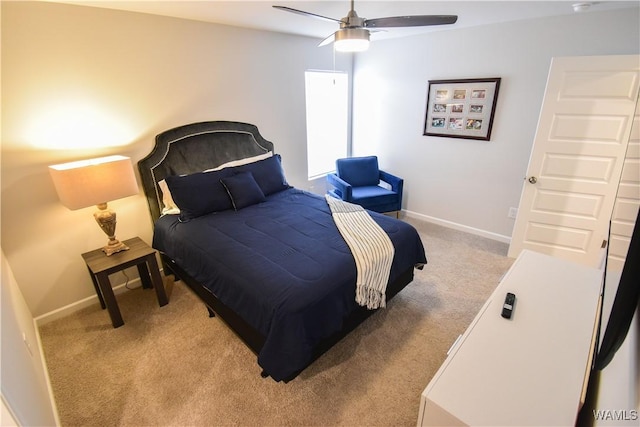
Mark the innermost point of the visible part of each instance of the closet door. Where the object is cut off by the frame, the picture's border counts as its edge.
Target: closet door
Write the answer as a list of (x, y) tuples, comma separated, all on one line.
[(627, 202), (577, 157)]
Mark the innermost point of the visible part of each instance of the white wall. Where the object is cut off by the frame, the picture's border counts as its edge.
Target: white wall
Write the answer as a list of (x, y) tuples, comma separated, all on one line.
[(25, 383), (466, 182), (77, 77)]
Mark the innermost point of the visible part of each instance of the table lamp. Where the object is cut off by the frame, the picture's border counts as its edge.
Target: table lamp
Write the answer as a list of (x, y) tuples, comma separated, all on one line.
[(95, 182)]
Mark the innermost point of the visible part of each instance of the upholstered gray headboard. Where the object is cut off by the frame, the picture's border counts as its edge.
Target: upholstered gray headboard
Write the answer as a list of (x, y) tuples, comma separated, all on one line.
[(196, 147)]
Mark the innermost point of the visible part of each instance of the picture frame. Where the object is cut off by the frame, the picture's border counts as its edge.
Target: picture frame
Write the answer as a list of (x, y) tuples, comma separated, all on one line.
[(461, 108)]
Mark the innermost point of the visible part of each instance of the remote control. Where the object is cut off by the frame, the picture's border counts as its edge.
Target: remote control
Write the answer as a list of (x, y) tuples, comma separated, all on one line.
[(507, 307)]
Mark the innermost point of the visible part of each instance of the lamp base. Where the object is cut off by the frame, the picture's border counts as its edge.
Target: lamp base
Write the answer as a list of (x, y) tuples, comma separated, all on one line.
[(106, 219), (114, 247)]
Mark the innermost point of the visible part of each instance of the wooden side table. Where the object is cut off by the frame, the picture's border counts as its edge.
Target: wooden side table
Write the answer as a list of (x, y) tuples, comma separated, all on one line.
[(101, 266)]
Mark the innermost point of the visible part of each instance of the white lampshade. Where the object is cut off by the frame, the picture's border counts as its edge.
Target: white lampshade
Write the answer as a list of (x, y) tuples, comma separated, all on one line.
[(91, 182), (351, 40)]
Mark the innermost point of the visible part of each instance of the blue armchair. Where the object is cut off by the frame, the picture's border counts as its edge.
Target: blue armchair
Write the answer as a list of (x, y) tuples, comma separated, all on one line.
[(357, 181)]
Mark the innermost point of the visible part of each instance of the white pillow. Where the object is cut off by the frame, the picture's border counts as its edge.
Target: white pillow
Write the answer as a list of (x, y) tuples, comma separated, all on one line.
[(171, 208), (241, 162)]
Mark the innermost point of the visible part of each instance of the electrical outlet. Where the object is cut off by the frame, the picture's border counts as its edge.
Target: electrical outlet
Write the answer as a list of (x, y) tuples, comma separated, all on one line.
[(513, 213)]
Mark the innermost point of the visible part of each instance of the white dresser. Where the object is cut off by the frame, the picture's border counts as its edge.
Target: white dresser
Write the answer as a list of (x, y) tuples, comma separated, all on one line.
[(527, 370)]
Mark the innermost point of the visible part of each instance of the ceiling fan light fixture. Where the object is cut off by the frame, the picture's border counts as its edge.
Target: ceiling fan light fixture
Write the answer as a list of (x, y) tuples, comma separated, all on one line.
[(353, 35), (351, 40)]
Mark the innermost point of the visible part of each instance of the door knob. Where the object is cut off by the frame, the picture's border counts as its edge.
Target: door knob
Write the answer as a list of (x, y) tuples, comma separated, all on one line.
[(533, 179)]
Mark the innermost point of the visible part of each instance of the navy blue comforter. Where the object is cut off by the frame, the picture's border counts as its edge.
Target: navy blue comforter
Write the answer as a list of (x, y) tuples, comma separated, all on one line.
[(282, 266)]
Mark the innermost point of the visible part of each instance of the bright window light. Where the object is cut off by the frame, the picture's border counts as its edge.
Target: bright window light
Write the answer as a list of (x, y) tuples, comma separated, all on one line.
[(327, 116)]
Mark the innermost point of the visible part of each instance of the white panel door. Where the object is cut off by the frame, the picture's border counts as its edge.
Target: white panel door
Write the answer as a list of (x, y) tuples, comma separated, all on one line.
[(577, 157), (627, 202)]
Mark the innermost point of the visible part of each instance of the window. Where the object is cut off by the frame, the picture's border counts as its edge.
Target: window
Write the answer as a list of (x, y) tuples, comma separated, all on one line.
[(327, 104)]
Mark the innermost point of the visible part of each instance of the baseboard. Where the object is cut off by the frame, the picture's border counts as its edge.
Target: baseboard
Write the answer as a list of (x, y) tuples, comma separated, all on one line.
[(460, 227), (47, 378), (79, 305)]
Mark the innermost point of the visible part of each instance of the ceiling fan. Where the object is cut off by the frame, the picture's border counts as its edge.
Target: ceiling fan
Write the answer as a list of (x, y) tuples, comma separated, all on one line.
[(354, 32)]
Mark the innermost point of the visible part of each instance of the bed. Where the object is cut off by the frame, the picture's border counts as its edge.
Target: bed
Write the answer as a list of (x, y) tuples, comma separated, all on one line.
[(262, 255)]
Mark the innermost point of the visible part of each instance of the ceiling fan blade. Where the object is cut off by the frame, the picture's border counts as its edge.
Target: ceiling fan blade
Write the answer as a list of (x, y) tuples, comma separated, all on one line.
[(410, 21), (302, 12), (328, 40)]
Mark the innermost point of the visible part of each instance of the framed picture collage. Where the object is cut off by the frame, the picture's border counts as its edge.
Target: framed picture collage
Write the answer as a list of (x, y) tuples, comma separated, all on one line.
[(461, 108)]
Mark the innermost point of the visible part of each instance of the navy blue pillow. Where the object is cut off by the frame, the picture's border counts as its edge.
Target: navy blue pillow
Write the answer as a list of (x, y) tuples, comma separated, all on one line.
[(243, 190), (268, 174), (200, 193)]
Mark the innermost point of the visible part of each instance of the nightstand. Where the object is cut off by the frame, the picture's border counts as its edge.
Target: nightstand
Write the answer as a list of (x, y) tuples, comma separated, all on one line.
[(101, 266)]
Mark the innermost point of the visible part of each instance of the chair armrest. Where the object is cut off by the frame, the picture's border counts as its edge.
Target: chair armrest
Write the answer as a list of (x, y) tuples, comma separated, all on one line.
[(343, 188), (395, 182)]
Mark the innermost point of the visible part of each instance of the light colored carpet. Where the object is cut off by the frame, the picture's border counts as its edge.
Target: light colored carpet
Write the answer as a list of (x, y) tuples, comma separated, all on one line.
[(176, 366)]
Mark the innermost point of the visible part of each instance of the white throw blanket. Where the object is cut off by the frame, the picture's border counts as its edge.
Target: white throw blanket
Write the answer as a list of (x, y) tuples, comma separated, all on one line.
[(371, 248)]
